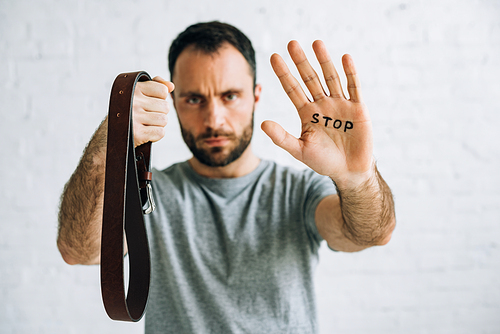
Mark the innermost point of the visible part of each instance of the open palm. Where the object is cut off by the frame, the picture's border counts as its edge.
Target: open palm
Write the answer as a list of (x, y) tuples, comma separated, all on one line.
[(336, 138)]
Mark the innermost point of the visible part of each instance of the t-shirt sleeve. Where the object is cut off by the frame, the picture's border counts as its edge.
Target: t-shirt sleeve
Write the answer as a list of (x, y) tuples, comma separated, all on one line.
[(317, 187)]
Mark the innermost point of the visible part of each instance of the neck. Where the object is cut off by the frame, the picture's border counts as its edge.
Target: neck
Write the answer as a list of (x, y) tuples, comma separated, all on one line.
[(244, 165)]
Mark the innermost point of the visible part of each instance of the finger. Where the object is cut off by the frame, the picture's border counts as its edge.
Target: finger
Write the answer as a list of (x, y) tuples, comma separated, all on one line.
[(288, 82), (329, 72), (353, 83), (155, 88), (149, 118), (307, 73), (282, 138), (170, 85), (152, 104), (144, 134)]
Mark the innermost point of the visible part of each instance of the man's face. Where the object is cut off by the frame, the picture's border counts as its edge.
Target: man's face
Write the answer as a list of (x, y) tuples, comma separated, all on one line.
[(215, 100)]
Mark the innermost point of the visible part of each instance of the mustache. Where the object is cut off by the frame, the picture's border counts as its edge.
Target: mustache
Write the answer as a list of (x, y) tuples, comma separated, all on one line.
[(211, 133)]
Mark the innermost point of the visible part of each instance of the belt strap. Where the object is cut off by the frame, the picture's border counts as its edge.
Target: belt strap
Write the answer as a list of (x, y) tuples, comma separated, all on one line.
[(127, 190)]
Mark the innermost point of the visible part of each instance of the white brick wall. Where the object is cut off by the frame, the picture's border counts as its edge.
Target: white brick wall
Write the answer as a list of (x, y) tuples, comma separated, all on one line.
[(430, 72)]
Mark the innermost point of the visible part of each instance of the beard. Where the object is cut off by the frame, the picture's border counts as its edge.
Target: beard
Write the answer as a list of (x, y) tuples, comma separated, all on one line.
[(214, 156)]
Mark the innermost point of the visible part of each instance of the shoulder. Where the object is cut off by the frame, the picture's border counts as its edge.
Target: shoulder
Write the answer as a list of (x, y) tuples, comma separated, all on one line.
[(174, 169), (174, 174)]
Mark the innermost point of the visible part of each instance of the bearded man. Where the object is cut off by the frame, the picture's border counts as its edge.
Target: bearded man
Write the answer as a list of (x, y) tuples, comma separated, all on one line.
[(234, 240)]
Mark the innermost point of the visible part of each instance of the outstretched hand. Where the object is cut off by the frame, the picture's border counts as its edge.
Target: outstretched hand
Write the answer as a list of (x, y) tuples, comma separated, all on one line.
[(336, 138)]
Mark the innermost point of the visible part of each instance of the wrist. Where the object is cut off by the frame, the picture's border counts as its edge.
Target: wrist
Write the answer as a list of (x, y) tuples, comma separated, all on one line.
[(356, 180)]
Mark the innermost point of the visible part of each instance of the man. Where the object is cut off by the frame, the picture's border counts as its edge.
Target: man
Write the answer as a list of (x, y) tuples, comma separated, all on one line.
[(234, 239)]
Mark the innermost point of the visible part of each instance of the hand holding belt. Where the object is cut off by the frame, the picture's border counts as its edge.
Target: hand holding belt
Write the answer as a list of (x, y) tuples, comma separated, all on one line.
[(127, 191)]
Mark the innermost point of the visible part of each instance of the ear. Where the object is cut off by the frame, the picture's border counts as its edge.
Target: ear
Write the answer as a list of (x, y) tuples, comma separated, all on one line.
[(257, 92)]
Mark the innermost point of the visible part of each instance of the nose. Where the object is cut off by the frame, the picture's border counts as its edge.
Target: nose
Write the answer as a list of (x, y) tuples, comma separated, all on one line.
[(214, 114)]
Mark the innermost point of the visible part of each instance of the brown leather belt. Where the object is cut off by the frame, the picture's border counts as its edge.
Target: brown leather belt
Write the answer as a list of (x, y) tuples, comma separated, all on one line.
[(127, 191)]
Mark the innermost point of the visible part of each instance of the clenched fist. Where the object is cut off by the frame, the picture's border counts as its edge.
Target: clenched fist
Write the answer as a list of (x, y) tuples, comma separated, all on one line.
[(150, 109)]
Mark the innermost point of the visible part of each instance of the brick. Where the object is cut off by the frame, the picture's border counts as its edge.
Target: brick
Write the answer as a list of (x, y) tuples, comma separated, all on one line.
[(429, 72)]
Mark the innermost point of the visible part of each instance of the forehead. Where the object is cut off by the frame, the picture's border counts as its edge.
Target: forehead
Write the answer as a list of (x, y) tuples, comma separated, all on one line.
[(196, 70)]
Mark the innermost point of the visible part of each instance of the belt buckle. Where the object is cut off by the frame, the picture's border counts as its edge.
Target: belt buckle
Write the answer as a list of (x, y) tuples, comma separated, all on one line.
[(150, 203)]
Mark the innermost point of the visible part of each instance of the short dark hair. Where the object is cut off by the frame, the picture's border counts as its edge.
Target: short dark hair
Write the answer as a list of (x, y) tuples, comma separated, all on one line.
[(209, 37)]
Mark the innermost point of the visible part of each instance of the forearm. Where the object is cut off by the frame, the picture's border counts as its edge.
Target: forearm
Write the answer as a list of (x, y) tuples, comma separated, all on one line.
[(368, 211), (80, 214)]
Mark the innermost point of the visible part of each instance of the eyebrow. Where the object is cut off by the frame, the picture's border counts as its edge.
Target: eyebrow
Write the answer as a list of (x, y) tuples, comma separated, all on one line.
[(198, 94), (190, 93)]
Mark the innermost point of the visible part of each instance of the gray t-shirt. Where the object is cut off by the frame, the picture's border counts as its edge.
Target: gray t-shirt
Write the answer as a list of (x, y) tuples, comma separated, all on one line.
[(234, 255)]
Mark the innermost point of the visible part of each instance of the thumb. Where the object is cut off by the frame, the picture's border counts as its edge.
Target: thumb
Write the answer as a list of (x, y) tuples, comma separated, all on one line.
[(282, 138), (169, 84)]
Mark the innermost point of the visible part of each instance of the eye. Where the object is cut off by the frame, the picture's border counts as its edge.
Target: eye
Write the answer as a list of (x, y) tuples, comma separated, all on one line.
[(230, 97), (193, 100)]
